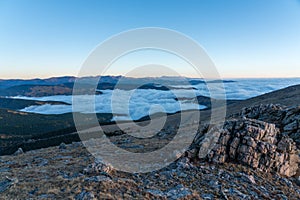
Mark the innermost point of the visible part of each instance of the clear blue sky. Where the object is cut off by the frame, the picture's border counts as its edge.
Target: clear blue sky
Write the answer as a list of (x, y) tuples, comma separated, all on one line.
[(245, 38)]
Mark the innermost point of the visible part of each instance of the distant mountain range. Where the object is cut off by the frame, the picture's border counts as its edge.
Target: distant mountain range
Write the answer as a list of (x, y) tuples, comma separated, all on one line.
[(64, 85), (50, 81)]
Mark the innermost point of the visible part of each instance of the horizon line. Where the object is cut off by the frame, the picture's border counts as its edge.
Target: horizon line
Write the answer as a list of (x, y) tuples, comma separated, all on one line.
[(137, 77)]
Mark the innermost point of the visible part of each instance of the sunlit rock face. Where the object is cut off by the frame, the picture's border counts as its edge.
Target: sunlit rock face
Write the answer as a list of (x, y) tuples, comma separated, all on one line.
[(261, 145), (287, 119)]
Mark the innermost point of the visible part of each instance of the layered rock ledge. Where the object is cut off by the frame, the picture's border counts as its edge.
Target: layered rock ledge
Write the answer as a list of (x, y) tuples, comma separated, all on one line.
[(245, 139), (287, 119)]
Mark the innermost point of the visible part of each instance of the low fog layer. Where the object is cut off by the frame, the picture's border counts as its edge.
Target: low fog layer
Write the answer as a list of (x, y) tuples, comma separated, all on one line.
[(135, 104)]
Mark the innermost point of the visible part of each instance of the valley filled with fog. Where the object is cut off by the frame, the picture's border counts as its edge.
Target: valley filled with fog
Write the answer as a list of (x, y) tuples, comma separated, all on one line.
[(137, 103)]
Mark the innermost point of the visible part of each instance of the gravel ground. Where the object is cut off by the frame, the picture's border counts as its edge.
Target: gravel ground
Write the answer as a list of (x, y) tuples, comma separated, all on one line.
[(66, 172)]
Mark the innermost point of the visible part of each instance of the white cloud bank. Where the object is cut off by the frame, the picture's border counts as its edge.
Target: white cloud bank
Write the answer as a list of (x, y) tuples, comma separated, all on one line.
[(137, 103)]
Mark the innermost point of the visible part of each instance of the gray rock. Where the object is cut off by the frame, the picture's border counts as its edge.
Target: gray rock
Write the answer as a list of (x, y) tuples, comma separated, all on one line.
[(287, 119), (41, 162), (237, 194), (209, 141), (4, 185), (253, 143), (287, 182), (98, 179), (61, 157), (62, 146), (32, 192), (156, 192), (184, 163), (84, 195), (178, 192), (98, 167), (207, 196), (248, 178), (5, 169), (291, 126), (46, 196), (282, 196), (18, 152)]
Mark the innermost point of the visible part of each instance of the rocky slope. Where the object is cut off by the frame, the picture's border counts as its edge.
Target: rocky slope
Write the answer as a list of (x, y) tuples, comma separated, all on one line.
[(72, 173), (254, 155)]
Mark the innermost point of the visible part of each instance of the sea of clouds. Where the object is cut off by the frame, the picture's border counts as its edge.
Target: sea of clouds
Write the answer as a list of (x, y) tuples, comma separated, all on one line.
[(135, 104), (132, 104)]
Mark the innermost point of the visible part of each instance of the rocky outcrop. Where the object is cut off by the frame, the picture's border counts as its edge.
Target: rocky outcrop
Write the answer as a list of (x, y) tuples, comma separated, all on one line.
[(250, 142), (286, 119)]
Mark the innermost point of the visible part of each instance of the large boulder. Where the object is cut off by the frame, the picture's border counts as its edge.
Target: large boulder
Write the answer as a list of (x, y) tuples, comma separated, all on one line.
[(250, 142)]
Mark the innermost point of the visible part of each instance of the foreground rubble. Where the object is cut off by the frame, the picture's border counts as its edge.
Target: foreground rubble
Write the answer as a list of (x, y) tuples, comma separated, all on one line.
[(72, 173)]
